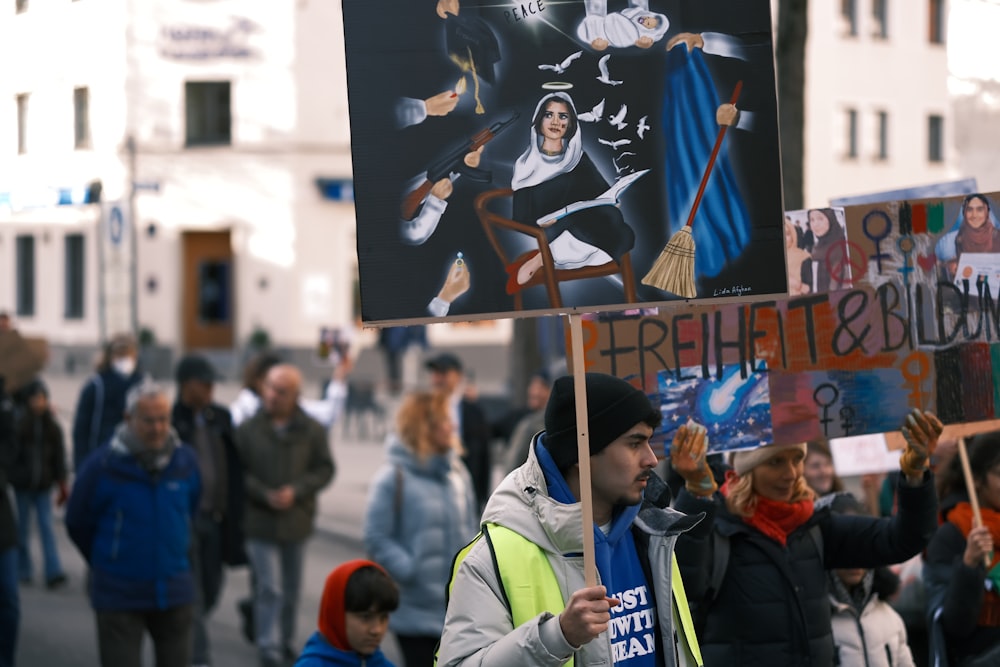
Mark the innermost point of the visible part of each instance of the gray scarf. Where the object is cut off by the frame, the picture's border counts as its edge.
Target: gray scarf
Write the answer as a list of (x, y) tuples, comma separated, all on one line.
[(150, 460)]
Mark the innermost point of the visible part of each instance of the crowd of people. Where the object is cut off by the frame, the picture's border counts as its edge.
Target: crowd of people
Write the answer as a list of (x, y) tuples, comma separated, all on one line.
[(758, 558)]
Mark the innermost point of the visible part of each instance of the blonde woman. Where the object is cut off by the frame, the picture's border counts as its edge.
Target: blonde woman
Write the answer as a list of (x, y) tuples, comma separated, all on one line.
[(421, 511), (762, 597)]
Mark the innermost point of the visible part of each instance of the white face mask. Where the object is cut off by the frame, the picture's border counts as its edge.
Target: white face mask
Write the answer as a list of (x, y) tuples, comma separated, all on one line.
[(124, 365)]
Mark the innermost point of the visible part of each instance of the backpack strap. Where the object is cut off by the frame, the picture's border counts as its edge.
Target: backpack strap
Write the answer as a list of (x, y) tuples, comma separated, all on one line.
[(397, 501), (720, 561)]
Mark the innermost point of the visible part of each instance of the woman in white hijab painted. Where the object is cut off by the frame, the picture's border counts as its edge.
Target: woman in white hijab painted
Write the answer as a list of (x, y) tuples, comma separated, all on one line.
[(552, 173)]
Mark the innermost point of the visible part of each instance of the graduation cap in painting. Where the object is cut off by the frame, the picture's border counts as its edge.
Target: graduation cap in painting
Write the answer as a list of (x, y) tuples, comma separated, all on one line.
[(472, 45)]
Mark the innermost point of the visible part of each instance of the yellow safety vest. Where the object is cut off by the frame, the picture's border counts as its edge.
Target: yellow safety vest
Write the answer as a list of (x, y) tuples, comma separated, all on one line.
[(529, 585)]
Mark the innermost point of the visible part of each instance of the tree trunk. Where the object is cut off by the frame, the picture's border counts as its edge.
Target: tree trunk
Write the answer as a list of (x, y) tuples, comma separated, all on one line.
[(525, 358), (790, 56)]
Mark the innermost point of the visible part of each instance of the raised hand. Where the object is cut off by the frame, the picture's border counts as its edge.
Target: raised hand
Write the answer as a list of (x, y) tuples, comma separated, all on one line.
[(690, 39), (921, 431), (688, 456), (586, 615)]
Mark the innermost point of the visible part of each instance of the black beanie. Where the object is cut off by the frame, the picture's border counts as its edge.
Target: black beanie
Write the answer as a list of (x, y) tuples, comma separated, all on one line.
[(613, 407)]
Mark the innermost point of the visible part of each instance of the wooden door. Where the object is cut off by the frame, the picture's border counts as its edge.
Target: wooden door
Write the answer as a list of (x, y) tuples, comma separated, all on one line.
[(208, 297)]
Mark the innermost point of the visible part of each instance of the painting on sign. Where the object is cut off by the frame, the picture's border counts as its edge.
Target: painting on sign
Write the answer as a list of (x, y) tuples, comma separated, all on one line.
[(534, 156), (735, 408)]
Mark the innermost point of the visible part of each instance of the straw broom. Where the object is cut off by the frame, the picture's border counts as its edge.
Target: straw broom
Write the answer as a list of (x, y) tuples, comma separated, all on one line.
[(673, 270)]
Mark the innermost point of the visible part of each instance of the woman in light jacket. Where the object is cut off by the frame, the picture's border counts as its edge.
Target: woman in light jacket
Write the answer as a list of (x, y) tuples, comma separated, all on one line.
[(421, 511)]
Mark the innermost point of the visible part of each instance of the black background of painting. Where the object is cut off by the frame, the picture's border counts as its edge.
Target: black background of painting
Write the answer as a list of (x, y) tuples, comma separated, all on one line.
[(398, 49)]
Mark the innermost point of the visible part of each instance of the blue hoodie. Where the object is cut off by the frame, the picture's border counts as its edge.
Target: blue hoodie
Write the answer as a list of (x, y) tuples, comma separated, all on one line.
[(318, 652), (633, 622)]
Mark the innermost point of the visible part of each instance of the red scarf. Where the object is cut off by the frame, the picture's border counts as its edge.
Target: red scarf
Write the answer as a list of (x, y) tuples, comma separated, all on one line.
[(961, 516), (776, 519)]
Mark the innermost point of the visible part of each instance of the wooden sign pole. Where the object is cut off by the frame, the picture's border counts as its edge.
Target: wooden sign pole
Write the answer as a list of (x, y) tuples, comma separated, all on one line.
[(970, 486), (583, 449)]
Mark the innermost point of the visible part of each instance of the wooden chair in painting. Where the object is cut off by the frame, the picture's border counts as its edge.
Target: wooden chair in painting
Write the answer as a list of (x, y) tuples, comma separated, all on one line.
[(548, 275)]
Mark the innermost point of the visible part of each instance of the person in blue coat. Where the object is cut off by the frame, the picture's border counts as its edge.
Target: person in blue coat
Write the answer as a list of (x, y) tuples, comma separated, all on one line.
[(130, 515), (353, 618), (101, 404)]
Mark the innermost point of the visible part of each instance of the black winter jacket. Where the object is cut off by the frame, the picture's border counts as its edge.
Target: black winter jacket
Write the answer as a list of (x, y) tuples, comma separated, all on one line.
[(219, 420), (958, 591), (41, 453), (773, 606)]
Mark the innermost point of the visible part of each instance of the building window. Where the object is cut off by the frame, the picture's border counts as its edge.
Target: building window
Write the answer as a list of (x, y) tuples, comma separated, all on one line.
[(81, 118), (25, 266), (207, 112), (880, 12), (935, 26), (22, 123), (849, 13), (852, 133), (74, 277), (21, 6), (883, 135), (935, 138)]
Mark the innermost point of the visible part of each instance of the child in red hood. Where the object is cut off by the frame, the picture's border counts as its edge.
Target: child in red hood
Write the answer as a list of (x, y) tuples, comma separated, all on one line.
[(353, 618)]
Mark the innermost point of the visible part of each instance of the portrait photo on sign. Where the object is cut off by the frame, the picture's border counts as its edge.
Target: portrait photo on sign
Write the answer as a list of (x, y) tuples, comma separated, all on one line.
[(526, 157), (817, 251)]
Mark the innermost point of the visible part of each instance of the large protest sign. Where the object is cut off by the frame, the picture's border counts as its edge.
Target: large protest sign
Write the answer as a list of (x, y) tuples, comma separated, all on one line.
[(532, 156), (829, 364)]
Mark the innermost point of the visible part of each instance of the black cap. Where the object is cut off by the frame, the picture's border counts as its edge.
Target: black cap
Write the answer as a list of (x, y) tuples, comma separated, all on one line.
[(444, 362), (613, 407), (194, 367)]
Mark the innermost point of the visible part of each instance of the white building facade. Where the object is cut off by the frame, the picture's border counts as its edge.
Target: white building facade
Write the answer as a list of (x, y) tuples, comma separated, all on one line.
[(877, 109), (230, 120)]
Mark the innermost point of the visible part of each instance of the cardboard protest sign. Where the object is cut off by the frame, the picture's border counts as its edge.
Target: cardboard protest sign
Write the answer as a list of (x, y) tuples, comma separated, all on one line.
[(836, 364), (536, 156), (862, 455)]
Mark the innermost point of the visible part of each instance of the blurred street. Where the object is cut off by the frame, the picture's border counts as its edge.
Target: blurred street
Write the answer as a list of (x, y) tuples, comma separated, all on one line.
[(58, 629)]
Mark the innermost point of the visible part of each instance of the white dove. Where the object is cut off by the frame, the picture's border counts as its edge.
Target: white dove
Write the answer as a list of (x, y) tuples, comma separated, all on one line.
[(602, 65), (594, 114), (641, 128), (614, 160), (616, 144), (618, 120), (564, 65)]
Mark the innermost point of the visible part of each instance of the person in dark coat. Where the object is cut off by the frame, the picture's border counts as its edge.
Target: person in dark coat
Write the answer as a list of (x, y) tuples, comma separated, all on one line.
[(39, 466), (767, 602), (218, 536), (473, 428), (10, 606), (101, 404), (962, 567)]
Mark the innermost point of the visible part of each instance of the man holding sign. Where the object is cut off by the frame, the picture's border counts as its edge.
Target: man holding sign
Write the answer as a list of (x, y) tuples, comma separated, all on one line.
[(518, 597)]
